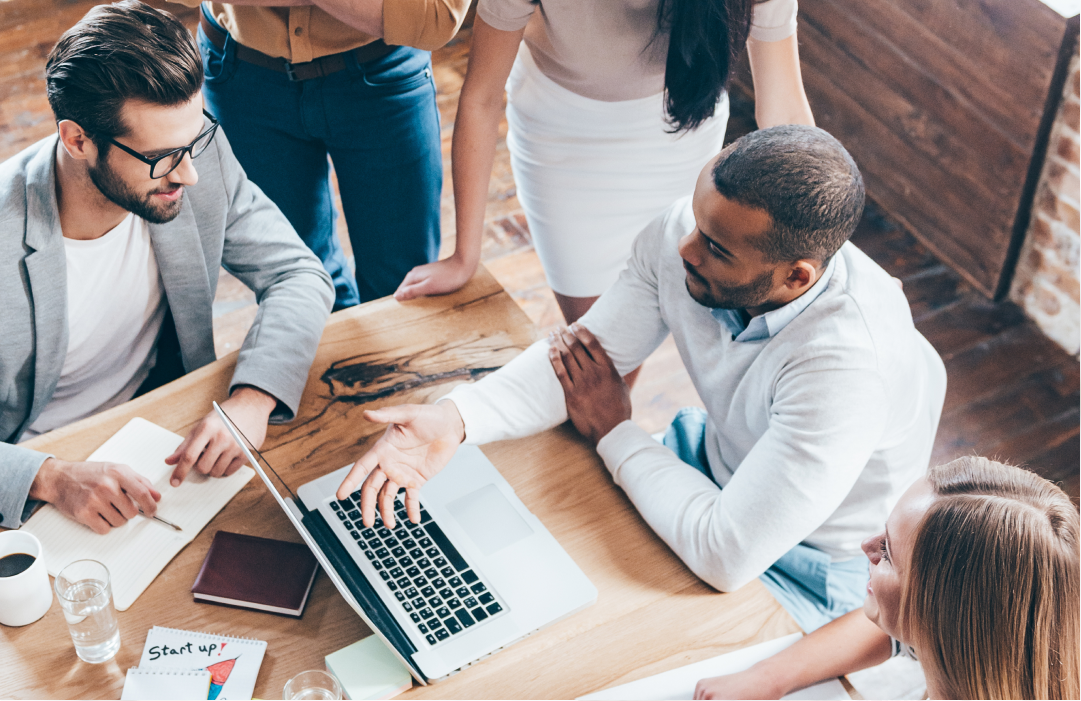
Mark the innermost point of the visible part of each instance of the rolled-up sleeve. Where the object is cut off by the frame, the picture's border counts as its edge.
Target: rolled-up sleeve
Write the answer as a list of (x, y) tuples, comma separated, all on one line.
[(774, 20), (423, 24)]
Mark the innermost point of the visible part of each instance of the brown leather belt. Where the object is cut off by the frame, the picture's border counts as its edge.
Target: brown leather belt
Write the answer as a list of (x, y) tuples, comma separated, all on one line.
[(322, 66)]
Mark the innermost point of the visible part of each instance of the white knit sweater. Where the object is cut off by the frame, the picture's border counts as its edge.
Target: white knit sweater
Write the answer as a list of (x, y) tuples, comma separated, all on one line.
[(814, 433)]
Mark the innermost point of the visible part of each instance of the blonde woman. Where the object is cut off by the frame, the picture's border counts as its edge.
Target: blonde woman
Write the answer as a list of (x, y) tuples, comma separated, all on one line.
[(612, 110), (976, 576)]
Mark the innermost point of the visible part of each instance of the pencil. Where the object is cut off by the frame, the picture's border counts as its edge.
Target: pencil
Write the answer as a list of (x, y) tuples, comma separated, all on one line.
[(167, 523)]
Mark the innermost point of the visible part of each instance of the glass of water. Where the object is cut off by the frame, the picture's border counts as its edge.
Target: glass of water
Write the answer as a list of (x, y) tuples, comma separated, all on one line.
[(313, 684), (87, 599)]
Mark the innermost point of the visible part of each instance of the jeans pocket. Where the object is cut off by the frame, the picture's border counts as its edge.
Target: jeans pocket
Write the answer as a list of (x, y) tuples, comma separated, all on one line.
[(219, 65), (846, 585), (394, 76)]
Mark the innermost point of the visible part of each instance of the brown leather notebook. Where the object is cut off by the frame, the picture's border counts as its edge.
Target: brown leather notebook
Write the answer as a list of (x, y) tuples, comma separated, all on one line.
[(256, 573)]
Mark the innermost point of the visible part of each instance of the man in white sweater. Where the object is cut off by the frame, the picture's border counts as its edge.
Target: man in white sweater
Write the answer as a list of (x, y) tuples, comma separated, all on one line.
[(822, 400)]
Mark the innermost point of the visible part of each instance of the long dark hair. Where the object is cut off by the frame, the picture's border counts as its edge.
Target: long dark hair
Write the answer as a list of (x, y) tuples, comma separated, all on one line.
[(705, 38)]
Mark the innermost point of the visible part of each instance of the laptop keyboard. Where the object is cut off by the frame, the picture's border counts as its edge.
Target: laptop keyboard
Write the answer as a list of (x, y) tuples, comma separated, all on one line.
[(434, 585)]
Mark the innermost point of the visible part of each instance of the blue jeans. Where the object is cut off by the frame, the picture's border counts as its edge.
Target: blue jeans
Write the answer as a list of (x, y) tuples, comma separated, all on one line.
[(378, 123), (807, 584)]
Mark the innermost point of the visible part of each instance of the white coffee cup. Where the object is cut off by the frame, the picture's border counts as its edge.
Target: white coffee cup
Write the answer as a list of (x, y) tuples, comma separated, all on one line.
[(27, 596)]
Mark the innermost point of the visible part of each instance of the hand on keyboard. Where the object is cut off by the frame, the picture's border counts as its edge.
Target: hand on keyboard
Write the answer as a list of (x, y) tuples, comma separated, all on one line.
[(419, 441)]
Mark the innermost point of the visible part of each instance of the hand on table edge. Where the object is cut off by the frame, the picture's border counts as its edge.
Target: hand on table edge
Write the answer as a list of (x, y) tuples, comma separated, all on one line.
[(597, 398), (98, 495), (419, 441), (439, 278), (209, 448)]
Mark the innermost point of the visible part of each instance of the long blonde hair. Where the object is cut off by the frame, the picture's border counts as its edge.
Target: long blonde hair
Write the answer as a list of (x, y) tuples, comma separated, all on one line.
[(991, 601)]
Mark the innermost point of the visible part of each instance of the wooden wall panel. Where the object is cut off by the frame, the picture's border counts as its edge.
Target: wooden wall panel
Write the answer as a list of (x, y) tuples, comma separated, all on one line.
[(942, 103)]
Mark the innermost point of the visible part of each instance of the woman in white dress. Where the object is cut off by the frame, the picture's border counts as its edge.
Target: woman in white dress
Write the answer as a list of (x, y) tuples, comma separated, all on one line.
[(613, 108), (976, 576)]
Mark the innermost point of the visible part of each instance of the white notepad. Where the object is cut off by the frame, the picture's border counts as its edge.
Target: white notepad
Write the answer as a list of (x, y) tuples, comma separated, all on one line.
[(165, 684), (138, 551), (233, 663), (679, 683)]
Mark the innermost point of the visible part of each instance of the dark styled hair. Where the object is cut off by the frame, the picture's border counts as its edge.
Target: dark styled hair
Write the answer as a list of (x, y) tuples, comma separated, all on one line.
[(705, 37), (119, 52), (806, 182)]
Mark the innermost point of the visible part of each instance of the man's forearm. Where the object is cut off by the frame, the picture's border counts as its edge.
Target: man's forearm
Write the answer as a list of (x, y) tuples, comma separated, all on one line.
[(253, 397), (295, 292), (680, 504), (520, 399)]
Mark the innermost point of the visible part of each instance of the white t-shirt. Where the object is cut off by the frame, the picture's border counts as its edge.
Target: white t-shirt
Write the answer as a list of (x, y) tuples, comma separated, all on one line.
[(116, 304)]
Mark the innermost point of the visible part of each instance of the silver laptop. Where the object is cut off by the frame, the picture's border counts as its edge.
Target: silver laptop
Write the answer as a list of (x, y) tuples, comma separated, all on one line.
[(478, 573)]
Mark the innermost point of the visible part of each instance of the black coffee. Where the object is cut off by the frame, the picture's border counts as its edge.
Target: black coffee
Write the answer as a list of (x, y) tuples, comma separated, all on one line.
[(15, 563)]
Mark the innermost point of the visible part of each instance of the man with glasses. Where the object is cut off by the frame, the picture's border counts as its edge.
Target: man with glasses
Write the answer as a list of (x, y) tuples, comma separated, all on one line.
[(114, 231)]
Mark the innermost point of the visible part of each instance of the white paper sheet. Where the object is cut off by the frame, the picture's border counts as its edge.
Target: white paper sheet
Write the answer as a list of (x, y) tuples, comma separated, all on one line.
[(679, 683), (165, 685), (138, 551)]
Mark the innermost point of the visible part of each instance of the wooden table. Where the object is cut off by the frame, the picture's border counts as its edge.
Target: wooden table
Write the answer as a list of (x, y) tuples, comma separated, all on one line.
[(651, 615)]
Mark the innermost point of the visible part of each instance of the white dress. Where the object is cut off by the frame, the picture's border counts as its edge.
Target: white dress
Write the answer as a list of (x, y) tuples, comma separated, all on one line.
[(592, 158)]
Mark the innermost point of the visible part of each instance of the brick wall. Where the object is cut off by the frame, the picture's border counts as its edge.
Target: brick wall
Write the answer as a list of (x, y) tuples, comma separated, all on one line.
[(1046, 282)]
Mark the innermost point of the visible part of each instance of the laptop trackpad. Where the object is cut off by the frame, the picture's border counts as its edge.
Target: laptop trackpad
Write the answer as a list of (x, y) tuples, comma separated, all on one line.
[(489, 519)]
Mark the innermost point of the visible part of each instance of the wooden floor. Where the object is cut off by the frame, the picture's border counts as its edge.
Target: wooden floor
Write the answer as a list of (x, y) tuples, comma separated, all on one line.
[(1012, 393)]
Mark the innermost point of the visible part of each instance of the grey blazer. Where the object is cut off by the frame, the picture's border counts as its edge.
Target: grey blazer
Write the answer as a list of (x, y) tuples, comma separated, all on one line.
[(225, 220)]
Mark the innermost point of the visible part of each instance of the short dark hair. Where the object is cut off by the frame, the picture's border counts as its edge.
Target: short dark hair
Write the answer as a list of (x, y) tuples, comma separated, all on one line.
[(119, 52), (806, 182)]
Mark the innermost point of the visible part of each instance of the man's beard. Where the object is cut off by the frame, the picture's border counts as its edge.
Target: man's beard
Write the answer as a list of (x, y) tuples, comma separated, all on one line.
[(119, 193), (753, 294)]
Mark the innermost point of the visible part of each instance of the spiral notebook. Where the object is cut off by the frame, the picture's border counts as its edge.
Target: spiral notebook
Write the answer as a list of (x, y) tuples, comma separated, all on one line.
[(165, 684), (233, 663), (138, 551)]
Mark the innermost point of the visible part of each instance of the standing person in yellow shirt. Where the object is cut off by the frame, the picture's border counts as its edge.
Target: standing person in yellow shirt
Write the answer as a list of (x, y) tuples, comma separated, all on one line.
[(295, 81)]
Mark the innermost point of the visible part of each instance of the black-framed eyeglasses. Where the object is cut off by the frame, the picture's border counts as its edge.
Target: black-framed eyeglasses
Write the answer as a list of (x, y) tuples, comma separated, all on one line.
[(166, 163)]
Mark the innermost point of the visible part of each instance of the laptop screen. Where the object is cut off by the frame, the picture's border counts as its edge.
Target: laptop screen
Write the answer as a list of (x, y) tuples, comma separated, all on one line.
[(336, 562)]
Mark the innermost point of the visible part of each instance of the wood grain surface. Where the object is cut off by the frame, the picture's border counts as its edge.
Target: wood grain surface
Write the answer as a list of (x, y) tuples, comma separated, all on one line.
[(942, 104), (652, 614)]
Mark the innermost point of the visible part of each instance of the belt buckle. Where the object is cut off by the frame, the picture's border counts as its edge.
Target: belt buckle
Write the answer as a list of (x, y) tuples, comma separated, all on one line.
[(290, 73)]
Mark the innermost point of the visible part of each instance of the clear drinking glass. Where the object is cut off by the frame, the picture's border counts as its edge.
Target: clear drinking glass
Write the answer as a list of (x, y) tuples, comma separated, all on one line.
[(87, 599), (313, 684)]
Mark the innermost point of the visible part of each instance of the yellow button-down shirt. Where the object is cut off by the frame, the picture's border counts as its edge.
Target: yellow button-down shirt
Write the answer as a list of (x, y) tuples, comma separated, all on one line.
[(302, 34)]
